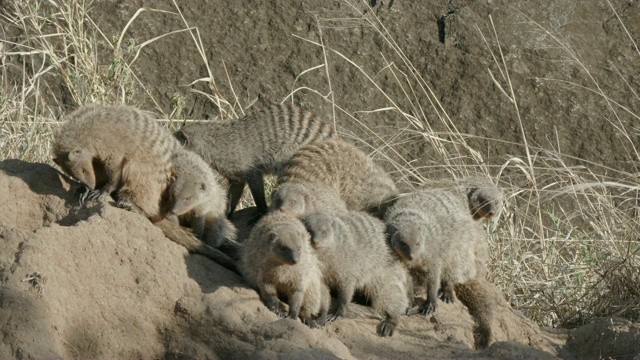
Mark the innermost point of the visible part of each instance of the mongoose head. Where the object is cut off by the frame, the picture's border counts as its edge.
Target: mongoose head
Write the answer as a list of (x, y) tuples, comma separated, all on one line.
[(186, 194), (408, 240), (79, 164), (287, 243), (484, 202), (321, 226), (291, 199)]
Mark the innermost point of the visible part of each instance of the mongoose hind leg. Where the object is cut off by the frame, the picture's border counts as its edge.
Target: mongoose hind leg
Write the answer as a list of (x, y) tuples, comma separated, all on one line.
[(256, 186), (234, 194)]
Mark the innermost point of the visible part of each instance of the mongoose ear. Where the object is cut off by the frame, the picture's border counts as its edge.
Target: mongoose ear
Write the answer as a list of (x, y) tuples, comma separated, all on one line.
[(271, 237), (203, 186), (182, 137), (75, 154)]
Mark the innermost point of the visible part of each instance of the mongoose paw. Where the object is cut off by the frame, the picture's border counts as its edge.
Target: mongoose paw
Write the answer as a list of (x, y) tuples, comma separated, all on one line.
[(447, 298), (81, 194), (124, 204), (278, 311), (427, 308), (313, 324), (386, 328), (97, 194)]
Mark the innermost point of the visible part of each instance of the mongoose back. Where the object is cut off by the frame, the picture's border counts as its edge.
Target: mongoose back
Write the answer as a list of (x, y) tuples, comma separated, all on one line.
[(299, 199), (277, 260), (353, 176), (354, 255), (433, 234), (484, 198), (198, 200), (120, 150), (245, 149)]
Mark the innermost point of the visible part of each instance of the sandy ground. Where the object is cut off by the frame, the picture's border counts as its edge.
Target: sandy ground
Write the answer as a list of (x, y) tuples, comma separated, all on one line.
[(99, 281)]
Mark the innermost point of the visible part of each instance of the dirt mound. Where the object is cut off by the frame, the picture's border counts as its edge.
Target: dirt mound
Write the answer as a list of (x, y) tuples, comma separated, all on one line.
[(101, 281)]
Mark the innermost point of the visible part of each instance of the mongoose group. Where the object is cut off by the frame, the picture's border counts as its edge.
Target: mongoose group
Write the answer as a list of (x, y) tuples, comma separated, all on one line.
[(336, 221)]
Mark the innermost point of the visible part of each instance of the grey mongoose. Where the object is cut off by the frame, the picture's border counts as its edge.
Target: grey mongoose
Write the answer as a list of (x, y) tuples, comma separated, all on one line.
[(432, 233), (354, 255), (122, 151), (245, 149), (348, 171), (197, 199), (277, 259)]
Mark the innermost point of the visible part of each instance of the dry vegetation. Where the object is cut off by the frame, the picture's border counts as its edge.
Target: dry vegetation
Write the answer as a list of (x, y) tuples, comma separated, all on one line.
[(564, 251)]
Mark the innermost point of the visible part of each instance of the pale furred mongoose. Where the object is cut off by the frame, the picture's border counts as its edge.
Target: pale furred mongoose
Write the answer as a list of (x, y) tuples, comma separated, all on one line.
[(432, 233), (484, 198), (197, 199), (350, 173), (120, 150), (277, 259), (245, 149), (299, 199), (354, 255)]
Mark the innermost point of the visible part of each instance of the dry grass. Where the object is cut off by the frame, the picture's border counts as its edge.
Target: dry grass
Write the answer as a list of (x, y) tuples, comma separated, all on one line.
[(565, 250)]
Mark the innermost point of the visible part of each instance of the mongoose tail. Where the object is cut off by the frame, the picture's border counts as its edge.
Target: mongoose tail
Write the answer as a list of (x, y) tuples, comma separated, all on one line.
[(477, 295), (181, 236)]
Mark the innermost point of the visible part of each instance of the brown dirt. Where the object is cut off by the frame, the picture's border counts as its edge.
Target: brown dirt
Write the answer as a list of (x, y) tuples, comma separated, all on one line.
[(111, 285)]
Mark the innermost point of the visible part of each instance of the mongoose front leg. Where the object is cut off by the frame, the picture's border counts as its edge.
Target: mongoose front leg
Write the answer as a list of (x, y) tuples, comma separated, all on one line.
[(295, 303), (345, 295), (387, 326), (198, 226), (234, 194), (113, 180), (433, 285), (270, 298)]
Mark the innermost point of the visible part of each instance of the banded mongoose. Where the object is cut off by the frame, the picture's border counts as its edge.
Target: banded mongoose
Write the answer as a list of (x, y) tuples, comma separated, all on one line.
[(198, 200), (353, 176), (354, 255), (484, 198), (120, 150), (277, 259), (245, 149), (432, 233), (298, 199)]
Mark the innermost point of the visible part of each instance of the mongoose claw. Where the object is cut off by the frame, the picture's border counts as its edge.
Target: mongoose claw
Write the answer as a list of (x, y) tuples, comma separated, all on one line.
[(313, 324), (96, 195), (278, 311), (386, 328), (447, 298), (81, 194), (427, 308), (124, 204), (334, 317)]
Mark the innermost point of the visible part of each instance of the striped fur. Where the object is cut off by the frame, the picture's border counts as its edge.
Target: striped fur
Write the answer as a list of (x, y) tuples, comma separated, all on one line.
[(353, 176), (127, 152), (432, 231), (245, 149), (354, 255)]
